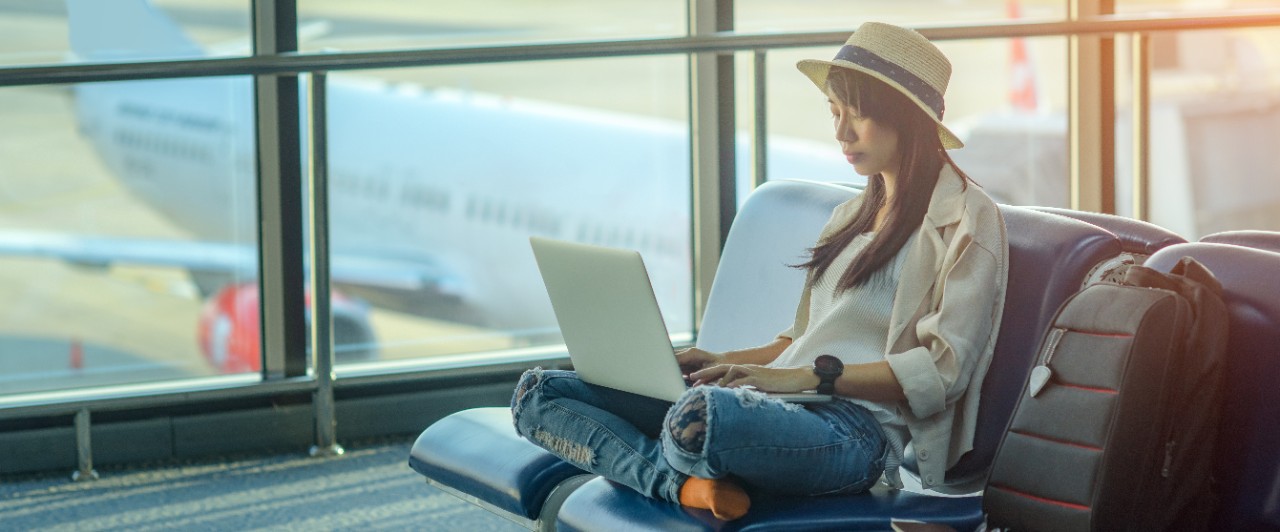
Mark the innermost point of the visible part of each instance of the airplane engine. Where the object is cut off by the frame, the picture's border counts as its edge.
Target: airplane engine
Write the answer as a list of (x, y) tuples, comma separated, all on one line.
[(231, 339)]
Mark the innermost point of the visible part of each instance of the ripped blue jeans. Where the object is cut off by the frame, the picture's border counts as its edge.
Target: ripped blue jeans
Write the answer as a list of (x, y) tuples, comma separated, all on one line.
[(652, 446)]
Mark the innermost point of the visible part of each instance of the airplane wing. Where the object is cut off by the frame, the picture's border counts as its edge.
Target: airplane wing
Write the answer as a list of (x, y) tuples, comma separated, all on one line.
[(219, 258)]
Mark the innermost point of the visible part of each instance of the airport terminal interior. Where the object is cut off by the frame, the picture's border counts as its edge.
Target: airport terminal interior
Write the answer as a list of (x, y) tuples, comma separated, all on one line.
[(251, 250)]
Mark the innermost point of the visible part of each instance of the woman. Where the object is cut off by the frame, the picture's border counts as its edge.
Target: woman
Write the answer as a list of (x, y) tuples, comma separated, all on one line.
[(898, 319)]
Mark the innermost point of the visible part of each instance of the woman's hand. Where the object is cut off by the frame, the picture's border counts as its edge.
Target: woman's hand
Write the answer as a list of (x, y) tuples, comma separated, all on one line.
[(694, 359), (762, 378)]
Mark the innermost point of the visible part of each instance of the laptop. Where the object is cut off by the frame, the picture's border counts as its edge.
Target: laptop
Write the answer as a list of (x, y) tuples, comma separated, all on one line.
[(610, 320)]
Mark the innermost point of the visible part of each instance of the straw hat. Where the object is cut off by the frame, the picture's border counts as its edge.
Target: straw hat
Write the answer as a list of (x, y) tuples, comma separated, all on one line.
[(900, 57)]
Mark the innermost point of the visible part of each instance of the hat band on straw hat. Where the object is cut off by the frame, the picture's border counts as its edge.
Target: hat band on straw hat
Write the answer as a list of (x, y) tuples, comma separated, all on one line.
[(909, 81)]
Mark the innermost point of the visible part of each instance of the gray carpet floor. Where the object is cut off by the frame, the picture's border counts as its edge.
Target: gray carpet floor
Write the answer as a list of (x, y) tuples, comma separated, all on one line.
[(369, 488)]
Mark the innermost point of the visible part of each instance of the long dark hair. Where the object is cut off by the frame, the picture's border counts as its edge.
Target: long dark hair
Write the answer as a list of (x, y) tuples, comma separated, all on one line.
[(922, 159)]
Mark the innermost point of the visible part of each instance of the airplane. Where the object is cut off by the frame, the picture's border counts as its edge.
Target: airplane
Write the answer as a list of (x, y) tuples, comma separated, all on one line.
[(434, 192)]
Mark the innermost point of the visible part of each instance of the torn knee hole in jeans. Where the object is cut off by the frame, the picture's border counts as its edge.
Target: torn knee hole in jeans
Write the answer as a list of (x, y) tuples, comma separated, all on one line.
[(688, 424), (530, 379), (568, 449)]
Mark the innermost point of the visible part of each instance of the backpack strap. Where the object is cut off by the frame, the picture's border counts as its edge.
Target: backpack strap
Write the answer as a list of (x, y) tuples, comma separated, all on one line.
[(1149, 278), (1192, 269), (1187, 269)]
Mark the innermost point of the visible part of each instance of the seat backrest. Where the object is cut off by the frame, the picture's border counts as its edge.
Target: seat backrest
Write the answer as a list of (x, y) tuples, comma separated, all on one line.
[(1049, 255), (1138, 240), (755, 292), (1137, 237), (754, 295), (1248, 446), (1264, 240)]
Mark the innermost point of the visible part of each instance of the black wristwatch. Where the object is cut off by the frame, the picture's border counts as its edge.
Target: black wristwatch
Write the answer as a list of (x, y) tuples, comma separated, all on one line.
[(828, 368)]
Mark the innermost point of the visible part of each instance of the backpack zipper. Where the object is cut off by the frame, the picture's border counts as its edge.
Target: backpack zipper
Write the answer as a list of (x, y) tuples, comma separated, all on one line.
[(1041, 374)]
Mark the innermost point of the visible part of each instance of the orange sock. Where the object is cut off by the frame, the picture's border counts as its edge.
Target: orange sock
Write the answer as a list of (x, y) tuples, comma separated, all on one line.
[(725, 499)]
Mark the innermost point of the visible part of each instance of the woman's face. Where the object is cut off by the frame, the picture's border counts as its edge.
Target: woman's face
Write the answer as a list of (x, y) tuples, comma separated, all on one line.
[(870, 147)]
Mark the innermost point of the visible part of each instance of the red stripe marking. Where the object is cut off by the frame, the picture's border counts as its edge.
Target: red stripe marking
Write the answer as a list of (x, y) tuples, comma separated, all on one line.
[(1056, 440), (1102, 334), (1089, 388), (1063, 504)]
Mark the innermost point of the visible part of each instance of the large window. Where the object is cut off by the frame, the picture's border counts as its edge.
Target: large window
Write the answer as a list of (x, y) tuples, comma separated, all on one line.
[(1010, 112), (129, 208), (448, 177), (127, 246), (127, 249), (129, 216), (1214, 120)]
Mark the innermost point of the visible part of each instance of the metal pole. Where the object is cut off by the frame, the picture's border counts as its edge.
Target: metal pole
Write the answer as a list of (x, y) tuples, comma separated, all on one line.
[(321, 316), (704, 156), (760, 127), (1141, 45), (723, 41), (1091, 105), (84, 448), (282, 293)]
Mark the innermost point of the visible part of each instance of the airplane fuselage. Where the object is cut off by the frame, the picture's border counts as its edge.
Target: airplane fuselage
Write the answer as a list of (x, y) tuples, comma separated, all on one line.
[(455, 180)]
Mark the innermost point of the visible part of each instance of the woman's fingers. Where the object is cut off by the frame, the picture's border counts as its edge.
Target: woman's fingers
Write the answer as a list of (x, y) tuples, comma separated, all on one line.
[(709, 374), (729, 376), (693, 359), (761, 378), (726, 375)]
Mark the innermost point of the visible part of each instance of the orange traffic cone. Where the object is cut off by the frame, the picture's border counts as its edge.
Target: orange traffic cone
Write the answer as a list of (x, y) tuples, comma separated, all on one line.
[(77, 354), (1022, 76)]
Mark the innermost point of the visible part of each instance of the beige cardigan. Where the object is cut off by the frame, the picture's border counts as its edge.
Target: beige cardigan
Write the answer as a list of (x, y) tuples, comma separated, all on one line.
[(945, 318)]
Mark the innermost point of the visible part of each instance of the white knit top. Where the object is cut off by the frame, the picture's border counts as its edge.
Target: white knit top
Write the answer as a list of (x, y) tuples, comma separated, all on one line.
[(854, 326)]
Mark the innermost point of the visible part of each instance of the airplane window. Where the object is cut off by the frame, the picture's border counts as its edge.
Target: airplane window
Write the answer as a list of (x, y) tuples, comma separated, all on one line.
[(425, 197), (471, 207), (442, 200)]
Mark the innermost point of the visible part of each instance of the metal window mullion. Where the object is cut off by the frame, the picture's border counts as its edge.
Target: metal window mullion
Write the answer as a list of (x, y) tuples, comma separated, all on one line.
[(1091, 104), (281, 272), (331, 61), (760, 119), (1141, 109), (712, 149)]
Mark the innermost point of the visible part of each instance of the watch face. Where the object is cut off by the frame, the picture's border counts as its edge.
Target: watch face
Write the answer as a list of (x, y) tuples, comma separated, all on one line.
[(827, 365)]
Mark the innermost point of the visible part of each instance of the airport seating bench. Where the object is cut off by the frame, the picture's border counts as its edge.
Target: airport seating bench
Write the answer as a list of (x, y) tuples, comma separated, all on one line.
[(477, 455), (1049, 257), (1248, 449), (524, 479), (1138, 239), (1264, 240), (523, 488), (1248, 461)]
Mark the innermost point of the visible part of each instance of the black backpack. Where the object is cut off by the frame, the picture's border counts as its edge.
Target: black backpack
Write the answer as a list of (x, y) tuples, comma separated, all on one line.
[(1116, 428)]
